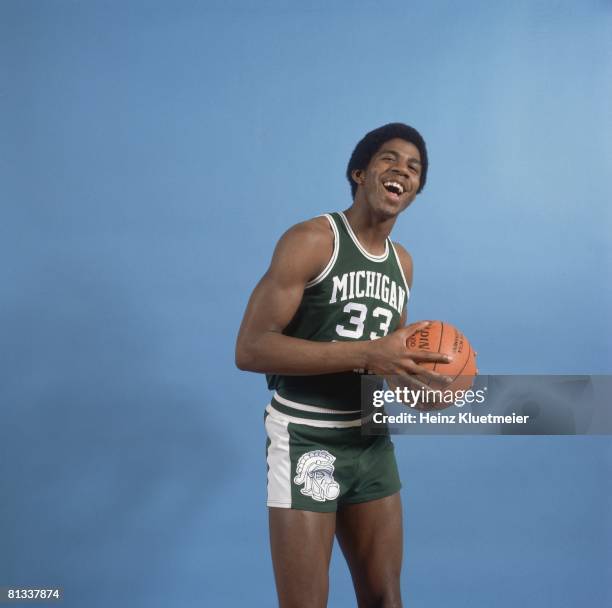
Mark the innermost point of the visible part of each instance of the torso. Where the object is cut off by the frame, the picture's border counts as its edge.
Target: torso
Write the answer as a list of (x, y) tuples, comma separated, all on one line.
[(356, 296)]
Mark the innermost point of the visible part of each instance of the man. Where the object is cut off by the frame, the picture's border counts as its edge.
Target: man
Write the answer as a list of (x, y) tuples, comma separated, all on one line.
[(332, 305)]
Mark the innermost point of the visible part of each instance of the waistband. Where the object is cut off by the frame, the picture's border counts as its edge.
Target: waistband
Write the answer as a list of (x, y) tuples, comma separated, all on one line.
[(302, 413)]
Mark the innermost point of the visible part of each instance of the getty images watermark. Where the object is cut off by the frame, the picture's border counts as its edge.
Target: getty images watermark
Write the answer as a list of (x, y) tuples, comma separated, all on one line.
[(422, 399), (503, 405), (431, 401)]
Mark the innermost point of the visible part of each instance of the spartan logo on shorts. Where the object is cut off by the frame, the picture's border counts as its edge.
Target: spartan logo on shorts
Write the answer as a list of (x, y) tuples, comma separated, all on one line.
[(316, 471)]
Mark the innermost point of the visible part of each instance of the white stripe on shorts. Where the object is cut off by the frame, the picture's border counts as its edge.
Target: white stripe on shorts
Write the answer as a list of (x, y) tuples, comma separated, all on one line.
[(323, 424), (279, 462), (311, 408)]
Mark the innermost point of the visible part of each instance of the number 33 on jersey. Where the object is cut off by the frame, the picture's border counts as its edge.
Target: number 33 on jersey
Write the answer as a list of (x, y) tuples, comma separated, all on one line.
[(358, 296)]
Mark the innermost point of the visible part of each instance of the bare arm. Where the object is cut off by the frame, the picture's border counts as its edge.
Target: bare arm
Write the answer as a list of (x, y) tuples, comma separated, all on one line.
[(302, 252)]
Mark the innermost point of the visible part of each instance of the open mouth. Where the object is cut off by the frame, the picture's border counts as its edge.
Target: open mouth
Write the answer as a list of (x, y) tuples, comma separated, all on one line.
[(394, 188)]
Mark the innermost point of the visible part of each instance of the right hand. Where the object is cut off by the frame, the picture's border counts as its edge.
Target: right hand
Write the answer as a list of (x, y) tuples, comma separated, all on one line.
[(390, 356)]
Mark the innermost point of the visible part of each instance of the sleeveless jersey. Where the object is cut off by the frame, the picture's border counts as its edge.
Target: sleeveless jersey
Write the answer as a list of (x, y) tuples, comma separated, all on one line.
[(357, 296)]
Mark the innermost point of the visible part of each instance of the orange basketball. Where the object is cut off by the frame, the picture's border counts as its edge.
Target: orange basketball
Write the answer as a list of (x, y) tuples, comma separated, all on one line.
[(442, 337)]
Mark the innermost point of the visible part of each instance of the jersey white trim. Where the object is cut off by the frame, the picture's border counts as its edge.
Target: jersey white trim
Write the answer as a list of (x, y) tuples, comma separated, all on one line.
[(310, 408), (374, 258), (399, 263), (333, 258), (326, 424)]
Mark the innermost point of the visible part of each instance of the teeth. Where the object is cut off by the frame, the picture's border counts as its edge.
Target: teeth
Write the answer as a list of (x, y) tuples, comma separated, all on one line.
[(395, 185)]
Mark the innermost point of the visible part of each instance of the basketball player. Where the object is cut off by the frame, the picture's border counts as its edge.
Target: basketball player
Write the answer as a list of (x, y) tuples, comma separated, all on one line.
[(331, 305)]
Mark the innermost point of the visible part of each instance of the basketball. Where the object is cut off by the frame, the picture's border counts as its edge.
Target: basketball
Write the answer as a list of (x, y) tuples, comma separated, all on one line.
[(444, 338)]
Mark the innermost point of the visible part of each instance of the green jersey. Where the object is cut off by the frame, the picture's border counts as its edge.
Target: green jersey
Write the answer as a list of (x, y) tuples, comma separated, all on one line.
[(357, 296)]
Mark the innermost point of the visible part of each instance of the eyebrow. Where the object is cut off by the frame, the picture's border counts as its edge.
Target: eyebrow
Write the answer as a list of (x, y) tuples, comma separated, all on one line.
[(412, 159)]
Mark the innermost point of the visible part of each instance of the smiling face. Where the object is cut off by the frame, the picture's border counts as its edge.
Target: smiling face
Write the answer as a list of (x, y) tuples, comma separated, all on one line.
[(390, 181)]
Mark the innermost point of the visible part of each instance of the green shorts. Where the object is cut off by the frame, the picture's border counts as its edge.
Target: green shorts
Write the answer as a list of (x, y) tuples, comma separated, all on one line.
[(315, 468)]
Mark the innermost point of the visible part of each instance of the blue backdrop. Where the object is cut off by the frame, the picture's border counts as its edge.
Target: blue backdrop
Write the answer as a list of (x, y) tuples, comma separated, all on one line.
[(151, 155)]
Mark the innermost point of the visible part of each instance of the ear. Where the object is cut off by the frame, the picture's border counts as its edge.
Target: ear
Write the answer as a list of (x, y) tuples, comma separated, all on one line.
[(358, 176)]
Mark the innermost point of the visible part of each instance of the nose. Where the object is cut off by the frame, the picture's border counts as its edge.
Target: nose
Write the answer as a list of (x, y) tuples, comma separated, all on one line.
[(399, 171)]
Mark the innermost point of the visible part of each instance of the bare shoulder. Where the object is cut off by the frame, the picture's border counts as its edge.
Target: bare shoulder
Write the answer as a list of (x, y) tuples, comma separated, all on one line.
[(405, 261), (403, 254), (316, 231), (311, 237), (306, 247)]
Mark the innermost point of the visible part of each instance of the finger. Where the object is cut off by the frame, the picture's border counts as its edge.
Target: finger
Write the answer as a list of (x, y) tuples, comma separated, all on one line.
[(417, 388), (435, 378), (413, 328), (418, 377), (427, 375), (428, 357), (410, 381)]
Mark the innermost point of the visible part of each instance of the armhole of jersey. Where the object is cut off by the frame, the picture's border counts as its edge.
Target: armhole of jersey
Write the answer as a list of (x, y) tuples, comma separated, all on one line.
[(334, 256), (399, 263)]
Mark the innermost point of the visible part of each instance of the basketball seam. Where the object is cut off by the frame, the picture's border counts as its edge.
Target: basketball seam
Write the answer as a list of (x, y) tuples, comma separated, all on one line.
[(466, 361), (439, 345)]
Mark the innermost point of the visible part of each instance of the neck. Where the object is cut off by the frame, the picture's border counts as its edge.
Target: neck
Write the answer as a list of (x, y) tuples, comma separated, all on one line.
[(371, 230)]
